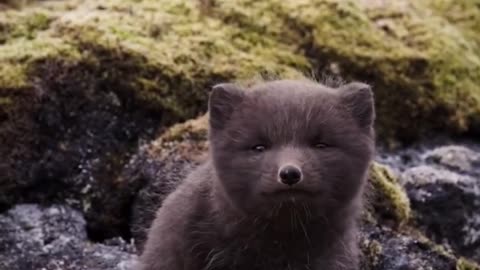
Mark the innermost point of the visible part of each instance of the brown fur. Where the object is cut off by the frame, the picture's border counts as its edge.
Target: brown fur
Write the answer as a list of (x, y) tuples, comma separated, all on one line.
[(233, 212)]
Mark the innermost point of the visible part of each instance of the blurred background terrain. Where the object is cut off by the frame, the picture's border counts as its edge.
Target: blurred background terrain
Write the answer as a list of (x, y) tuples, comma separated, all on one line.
[(102, 113)]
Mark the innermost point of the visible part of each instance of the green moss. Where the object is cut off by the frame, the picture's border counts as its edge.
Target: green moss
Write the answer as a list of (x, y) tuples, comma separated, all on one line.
[(440, 250), (409, 56), (185, 42), (406, 52), (175, 66), (464, 264), (5, 101), (17, 56), (195, 129), (30, 25), (372, 250), (388, 198), (24, 24), (12, 76), (465, 14), (167, 54)]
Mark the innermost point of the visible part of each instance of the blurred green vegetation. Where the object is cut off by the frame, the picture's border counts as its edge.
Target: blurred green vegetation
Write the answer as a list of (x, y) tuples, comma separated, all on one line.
[(423, 62)]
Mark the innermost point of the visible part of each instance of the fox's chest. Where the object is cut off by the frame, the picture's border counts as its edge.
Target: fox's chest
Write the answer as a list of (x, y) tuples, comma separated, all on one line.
[(254, 253)]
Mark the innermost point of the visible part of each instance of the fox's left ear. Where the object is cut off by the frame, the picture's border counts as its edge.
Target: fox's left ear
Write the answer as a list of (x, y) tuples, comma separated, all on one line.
[(222, 102), (358, 98)]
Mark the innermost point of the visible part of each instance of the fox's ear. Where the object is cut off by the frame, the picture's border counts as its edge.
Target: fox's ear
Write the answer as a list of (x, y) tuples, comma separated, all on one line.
[(358, 98), (222, 102)]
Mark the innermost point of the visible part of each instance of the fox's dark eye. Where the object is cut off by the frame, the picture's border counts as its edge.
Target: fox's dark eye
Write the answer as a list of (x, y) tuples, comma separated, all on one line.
[(259, 148), (321, 145)]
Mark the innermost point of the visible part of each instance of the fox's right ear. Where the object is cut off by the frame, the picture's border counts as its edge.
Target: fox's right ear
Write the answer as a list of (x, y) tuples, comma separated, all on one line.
[(222, 102), (358, 97)]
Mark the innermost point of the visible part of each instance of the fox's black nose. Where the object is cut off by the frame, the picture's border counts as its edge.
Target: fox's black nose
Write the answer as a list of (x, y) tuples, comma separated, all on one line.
[(290, 175)]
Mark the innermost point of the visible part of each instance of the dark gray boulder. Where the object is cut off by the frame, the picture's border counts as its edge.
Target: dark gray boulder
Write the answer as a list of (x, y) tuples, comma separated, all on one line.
[(443, 186), (447, 207)]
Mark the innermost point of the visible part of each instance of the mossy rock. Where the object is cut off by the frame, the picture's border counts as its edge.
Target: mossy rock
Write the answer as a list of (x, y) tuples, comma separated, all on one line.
[(386, 198), (83, 82), (465, 14), (160, 166), (421, 64), (174, 60), (384, 248), (465, 264)]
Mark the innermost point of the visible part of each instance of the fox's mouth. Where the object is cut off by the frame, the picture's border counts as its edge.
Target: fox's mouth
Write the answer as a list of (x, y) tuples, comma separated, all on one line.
[(290, 194)]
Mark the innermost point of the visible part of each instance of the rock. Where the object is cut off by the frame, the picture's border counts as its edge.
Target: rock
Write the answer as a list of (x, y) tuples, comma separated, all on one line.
[(384, 249), (400, 159), (386, 198), (34, 237), (161, 178), (443, 188), (161, 165), (446, 206), (398, 46), (455, 157), (72, 148)]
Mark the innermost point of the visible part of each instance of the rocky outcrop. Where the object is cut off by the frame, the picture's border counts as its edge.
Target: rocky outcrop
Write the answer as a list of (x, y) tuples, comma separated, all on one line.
[(444, 191), (83, 84), (34, 237), (161, 165)]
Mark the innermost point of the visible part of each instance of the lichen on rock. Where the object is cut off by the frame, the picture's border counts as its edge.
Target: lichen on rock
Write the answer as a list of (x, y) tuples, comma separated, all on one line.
[(384, 248), (386, 197)]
